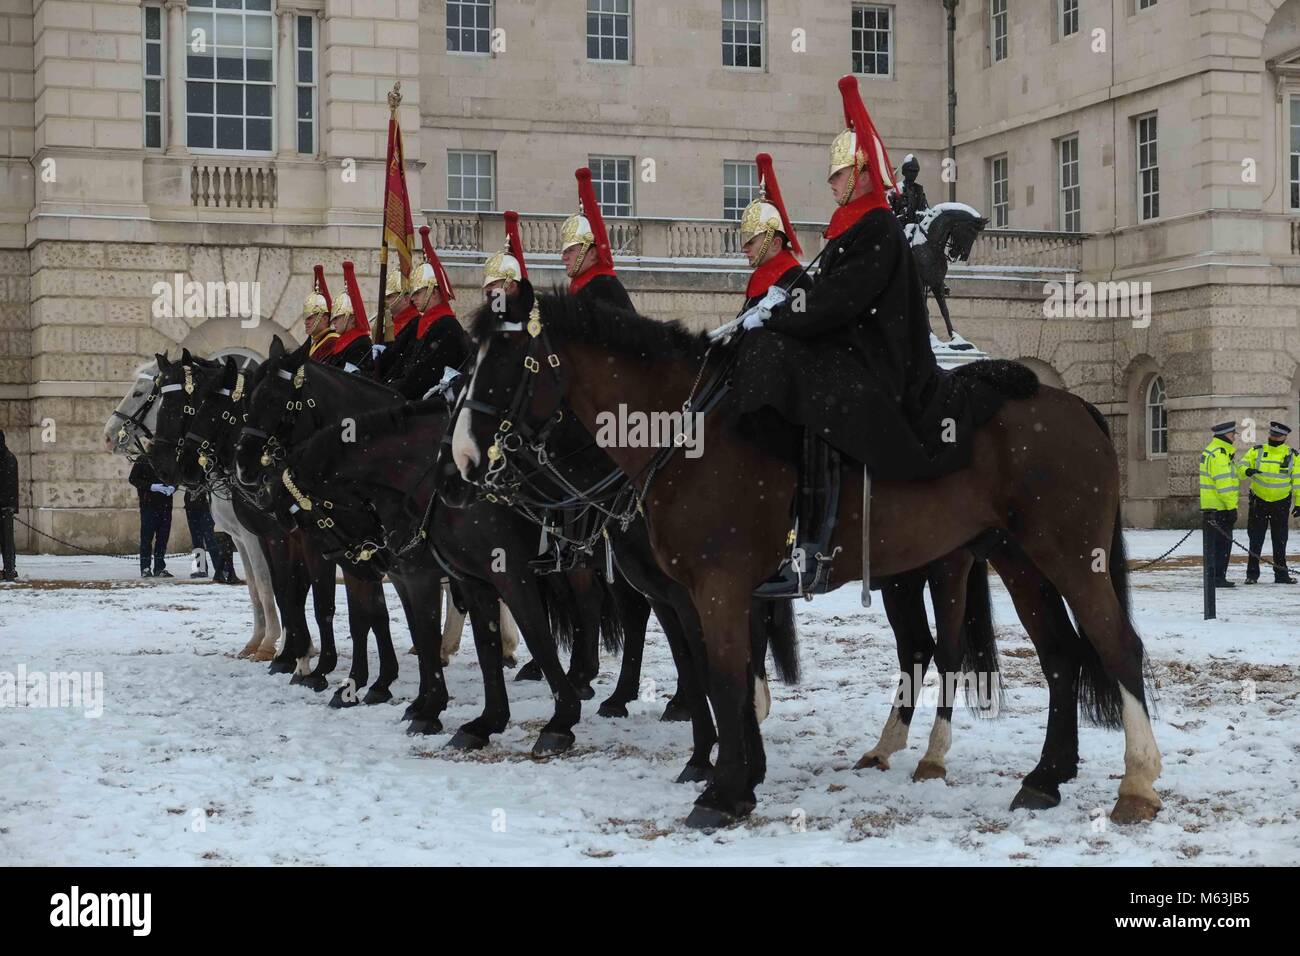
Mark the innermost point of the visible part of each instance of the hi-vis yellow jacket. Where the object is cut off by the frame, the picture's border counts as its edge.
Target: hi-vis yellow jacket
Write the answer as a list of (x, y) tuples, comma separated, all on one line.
[(1219, 478), (1277, 475)]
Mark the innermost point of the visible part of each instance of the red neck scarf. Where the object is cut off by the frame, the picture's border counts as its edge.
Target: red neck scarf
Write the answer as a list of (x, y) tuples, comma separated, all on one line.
[(576, 285), (323, 346), (767, 274), (436, 312), (347, 338), (401, 319), (847, 216)]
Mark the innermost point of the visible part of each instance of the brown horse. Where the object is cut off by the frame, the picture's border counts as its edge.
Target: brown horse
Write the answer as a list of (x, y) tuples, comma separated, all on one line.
[(1043, 474)]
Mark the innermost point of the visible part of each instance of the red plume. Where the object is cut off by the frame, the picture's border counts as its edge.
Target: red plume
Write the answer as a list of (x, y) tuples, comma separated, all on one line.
[(870, 144), (322, 288), (591, 209), (513, 243), (354, 293), (767, 176), (431, 257)]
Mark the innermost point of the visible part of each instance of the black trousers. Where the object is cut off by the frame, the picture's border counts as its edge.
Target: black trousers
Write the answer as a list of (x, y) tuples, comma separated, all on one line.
[(204, 535), (155, 530), (1269, 516), (1216, 533), (7, 538)]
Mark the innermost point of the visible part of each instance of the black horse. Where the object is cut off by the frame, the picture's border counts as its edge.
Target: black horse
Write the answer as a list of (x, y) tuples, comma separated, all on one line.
[(948, 230), (203, 403)]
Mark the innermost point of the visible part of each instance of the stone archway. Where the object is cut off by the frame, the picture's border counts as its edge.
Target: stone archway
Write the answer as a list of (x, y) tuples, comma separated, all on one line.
[(229, 337)]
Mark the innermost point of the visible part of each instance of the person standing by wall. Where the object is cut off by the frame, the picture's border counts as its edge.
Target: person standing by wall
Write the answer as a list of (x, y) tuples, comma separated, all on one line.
[(8, 508), (155, 517), (204, 537)]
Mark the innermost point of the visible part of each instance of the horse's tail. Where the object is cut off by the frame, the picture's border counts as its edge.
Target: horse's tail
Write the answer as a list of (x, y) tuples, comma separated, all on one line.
[(772, 624), (611, 617), (979, 648), (561, 608)]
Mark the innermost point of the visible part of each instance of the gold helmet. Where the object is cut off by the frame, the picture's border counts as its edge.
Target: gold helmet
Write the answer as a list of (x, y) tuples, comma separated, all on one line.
[(844, 152), (317, 301), (576, 231), (760, 217), (501, 265), (766, 215), (395, 283), (423, 277), (342, 305)]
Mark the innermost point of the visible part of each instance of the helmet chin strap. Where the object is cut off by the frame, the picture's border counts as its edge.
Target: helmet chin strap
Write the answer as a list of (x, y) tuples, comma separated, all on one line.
[(577, 266), (848, 193)]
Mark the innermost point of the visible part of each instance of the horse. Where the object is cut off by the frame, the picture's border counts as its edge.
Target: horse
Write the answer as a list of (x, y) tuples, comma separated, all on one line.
[(128, 432), (947, 232), (1042, 475)]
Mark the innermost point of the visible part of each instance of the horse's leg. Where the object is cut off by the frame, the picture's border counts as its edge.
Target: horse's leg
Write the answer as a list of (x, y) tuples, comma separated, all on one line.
[(509, 636), (1043, 615), (323, 603), (291, 595), (452, 629), (258, 572), (374, 608), (940, 298), (634, 611), (947, 578), (584, 659), (487, 615), (524, 597), (724, 617), (1094, 597), (419, 592), (904, 599)]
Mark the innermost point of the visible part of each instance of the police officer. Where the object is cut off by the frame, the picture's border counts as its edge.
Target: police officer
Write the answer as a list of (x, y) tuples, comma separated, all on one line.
[(1274, 473), (1219, 486)]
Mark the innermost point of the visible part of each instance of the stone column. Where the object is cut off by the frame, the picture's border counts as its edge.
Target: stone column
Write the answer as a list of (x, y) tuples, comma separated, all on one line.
[(174, 84), (286, 92)]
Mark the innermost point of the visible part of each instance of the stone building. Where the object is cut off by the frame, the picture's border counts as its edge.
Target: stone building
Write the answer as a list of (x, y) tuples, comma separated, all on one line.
[(1143, 146)]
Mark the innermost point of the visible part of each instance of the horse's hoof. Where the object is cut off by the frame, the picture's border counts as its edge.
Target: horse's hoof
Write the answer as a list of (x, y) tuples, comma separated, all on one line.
[(260, 656), (1032, 798), (552, 742), (509, 662), (612, 708), (695, 774), (412, 709), (415, 652), (929, 770), (317, 682), (530, 671), (674, 712), (343, 698), (707, 818), (424, 725), (1130, 808), (377, 695), (465, 740), (584, 691), (281, 667), (299, 679), (872, 761), (248, 651)]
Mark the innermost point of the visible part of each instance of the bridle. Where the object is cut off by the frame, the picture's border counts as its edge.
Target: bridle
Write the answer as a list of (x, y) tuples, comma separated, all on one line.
[(133, 427), (206, 444), (274, 450), (187, 410)]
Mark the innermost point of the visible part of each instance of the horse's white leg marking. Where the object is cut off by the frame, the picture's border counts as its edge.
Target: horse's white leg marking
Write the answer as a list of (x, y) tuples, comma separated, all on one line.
[(893, 738), (1141, 755), (932, 766), (762, 698), (464, 450), (452, 629), (509, 633)]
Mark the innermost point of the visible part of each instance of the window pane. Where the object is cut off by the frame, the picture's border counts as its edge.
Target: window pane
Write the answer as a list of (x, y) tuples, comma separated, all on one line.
[(230, 63), (152, 23), (259, 65), (259, 101), (199, 132), (153, 59), (304, 32), (259, 134), (305, 144), (198, 97), (304, 102), (257, 32), (230, 31), (304, 66), (153, 131), (152, 96), (230, 132), (230, 99)]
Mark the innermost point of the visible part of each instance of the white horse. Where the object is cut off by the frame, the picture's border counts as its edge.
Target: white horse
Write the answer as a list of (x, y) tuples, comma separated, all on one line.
[(130, 429)]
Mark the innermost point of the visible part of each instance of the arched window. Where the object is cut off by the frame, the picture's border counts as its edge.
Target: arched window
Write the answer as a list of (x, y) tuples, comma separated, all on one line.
[(1157, 419)]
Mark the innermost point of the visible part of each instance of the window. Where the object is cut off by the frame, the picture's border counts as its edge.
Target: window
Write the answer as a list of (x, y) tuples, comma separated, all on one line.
[(1069, 21), (469, 26), (1067, 151), (1295, 152), (611, 180), (1145, 4), (609, 30), (739, 188), (872, 39), (306, 66), (1148, 169), (228, 75), (471, 180), (998, 29), (153, 78), (999, 195), (1157, 419), (742, 33)]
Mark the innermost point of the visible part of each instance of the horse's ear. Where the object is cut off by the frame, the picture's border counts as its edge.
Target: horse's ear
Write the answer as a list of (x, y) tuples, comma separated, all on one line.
[(186, 358), (301, 352), (277, 348), (522, 301), (231, 371), (161, 359)]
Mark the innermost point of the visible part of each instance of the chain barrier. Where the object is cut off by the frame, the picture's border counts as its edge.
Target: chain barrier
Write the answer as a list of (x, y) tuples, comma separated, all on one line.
[(98, 554)]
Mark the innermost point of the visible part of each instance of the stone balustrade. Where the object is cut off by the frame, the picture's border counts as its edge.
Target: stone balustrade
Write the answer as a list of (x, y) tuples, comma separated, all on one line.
[(233, 186)]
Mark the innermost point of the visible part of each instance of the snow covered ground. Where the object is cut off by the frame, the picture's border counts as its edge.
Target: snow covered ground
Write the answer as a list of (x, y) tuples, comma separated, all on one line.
[(201, 758)]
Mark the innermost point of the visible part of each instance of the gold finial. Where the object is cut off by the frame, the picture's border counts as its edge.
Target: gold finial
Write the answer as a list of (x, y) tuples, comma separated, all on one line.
[(395, 96)]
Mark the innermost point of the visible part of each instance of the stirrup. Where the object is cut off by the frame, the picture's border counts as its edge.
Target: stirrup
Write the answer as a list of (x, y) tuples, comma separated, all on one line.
[(792, 579)]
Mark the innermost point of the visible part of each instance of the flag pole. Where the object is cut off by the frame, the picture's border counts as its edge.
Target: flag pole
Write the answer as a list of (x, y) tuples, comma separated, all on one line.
[(394, 100)]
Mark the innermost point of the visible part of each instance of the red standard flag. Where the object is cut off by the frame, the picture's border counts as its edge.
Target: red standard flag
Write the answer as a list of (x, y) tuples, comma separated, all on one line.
[(399, 233)]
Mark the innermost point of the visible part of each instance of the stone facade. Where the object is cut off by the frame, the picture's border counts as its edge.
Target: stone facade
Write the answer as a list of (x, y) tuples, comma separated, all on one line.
[(91, 218)]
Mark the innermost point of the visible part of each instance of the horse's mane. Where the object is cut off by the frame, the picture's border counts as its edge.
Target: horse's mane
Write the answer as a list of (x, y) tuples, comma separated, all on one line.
[(570, 319), (329, 371), (325, 445)]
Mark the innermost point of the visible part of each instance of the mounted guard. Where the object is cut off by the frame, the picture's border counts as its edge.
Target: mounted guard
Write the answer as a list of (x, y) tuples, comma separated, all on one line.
[(855, 364), (504, 270), (351, 350), (585, 250), (316, 317)]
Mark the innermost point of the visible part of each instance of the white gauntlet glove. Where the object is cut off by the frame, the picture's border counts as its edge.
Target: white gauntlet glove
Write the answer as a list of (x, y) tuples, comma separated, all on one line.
[(377, 350)]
